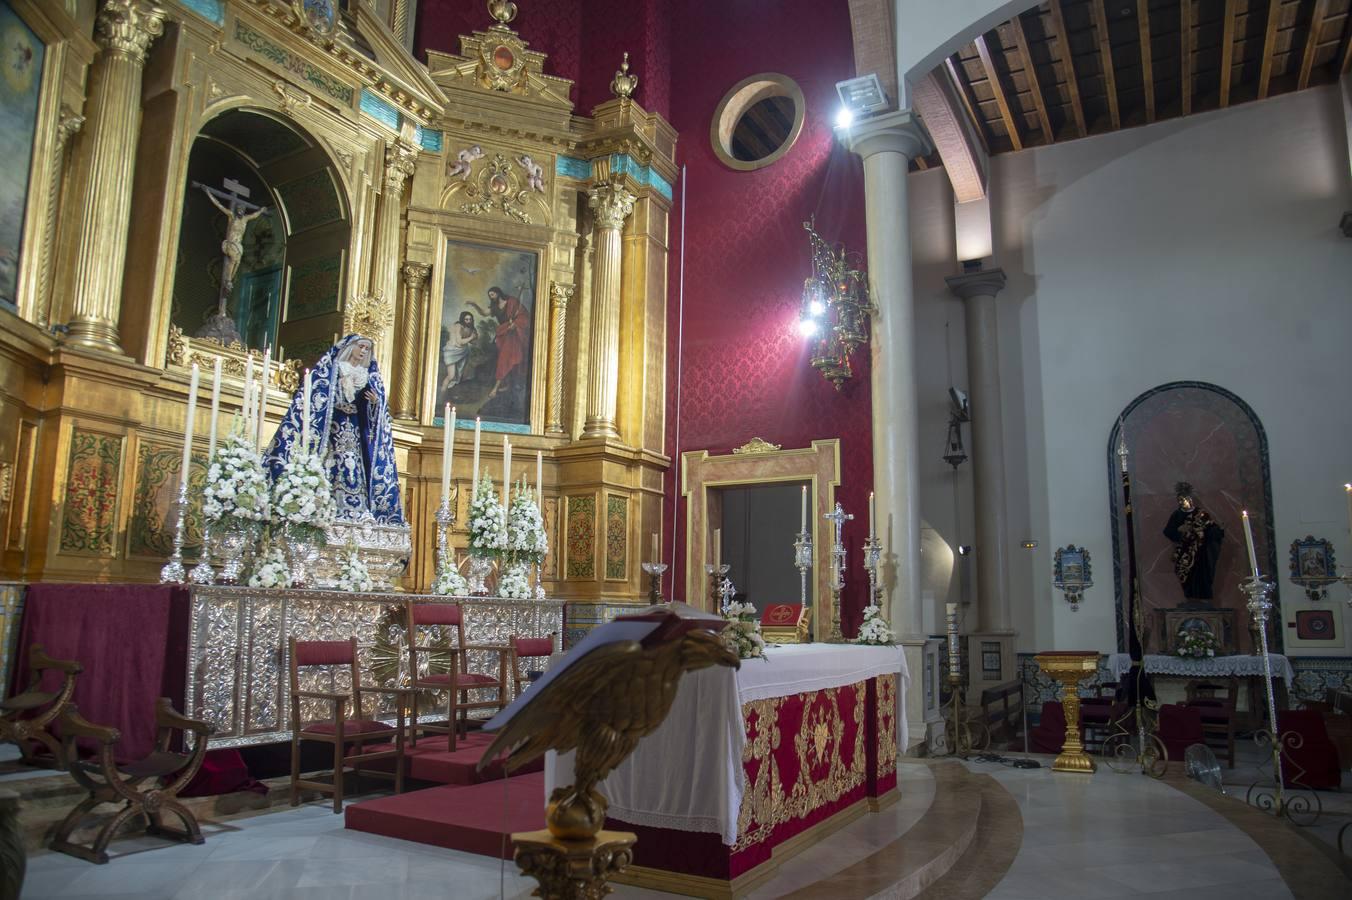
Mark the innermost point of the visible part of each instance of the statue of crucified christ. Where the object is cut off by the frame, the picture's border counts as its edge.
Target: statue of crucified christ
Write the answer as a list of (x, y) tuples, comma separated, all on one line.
[(239, 213)]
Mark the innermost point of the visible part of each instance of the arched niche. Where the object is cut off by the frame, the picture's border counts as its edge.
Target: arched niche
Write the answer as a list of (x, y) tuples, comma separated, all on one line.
[(1207, 436), (289, 286)]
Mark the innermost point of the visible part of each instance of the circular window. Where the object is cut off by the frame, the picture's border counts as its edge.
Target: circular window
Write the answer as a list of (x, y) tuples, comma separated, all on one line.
[(757, 121)]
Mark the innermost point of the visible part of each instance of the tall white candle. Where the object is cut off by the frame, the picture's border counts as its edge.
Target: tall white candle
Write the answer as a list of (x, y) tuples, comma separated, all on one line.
[(305, 414), (448, 451), (246, 403), (506, 470), (215, 409), (654, 556), (1348, 489), (539, 479), (872, 513), (475, 486), (1248, 539), (802, 525), (718, 549), (263, 392), (188, 426)]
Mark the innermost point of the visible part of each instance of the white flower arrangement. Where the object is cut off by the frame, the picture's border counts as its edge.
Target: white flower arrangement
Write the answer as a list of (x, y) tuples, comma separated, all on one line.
[(271, 570), (1196, 643), (236, 484), (743, 634), (450, 582), (352, 573), (487, 521), (302, 496), (874, 629), (526, 538), (514, 585)]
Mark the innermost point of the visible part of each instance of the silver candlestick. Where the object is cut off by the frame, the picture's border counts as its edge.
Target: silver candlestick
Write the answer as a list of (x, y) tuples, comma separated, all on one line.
[(539, 585), (873, 554), (1259, 590), (718, 582), (203, 573), (655, 570), (802, 559), (837, 517), (445, 517), (173, 572)]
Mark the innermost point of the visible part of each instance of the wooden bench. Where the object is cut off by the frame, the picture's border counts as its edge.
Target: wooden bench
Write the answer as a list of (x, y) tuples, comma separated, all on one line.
[(1002, 709)]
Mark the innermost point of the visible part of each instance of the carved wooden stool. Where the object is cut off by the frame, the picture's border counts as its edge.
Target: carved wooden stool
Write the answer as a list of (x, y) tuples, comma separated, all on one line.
[(26, 716)]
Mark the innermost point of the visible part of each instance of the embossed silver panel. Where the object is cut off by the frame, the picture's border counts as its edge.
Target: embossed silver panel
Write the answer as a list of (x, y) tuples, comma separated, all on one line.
[(237, 663)]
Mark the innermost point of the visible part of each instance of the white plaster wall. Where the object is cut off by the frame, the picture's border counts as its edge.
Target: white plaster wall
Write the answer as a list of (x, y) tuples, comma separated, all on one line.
[(1204, 249)]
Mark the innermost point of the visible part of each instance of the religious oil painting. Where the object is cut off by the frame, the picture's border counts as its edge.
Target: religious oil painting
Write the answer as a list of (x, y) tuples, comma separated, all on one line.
[(486, 334), (21, 55)]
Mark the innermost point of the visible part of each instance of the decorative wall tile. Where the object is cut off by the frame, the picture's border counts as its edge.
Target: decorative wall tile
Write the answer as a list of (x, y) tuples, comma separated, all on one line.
[(89, 520), (151, 530), (311, 200), (580, 538), (617, 535), (314, 287)]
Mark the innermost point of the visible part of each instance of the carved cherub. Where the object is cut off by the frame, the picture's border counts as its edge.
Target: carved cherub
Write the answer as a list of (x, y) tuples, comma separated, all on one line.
[(535, 173), (464, 160)]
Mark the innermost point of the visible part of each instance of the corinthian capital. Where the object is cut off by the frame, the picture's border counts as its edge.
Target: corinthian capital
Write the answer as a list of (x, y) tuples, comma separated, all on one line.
[(416, 275), (612, 205), (400, 161), (128, 27), (66, 126), (560, 294)]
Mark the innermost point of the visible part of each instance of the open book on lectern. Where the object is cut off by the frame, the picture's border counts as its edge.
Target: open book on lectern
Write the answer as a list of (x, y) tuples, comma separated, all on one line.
[(649, 626)]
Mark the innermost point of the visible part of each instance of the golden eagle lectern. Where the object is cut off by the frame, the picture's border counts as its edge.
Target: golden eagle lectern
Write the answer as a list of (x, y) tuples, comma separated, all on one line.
[(615, 687)]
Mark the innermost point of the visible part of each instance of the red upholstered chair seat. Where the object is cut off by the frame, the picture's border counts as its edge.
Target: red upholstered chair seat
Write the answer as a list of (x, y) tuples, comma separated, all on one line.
[(350, 726), (1179, 728), (1313, 764), (533, 646), (446, 624), (463, 680), (781, 615)]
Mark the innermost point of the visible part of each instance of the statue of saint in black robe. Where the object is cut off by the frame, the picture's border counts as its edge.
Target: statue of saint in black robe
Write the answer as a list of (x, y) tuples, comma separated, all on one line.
[(1197, 541)]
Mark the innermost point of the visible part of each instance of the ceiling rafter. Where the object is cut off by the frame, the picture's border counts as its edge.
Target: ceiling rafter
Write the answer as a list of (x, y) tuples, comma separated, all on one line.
[(1105, 47), (1058, 34), (1147, 65), (1185, 46), (1274, 15), (1030, 72), (998, 91), (1345, 50), (1311, 43), (1227, 51)]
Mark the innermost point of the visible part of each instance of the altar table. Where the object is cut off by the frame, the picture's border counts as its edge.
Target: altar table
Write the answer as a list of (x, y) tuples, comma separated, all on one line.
[(749, 758), (1238, 666)]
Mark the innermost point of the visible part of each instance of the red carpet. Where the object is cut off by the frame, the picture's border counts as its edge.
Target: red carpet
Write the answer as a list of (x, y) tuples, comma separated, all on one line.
[(473, 818), (431, 761)]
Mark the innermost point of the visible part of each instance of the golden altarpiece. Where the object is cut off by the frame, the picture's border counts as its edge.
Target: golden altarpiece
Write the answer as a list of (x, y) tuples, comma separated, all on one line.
[(379, 168)]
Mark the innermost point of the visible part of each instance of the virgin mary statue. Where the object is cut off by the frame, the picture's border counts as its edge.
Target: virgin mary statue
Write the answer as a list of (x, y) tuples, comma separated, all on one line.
[(350, 424)]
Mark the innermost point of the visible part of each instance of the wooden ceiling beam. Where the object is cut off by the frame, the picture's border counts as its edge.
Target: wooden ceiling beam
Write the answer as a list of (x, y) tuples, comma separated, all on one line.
[(964, 92), (993, 77), (1030, 72), (1227, 51), (1311, 43), (1147, 67), (1106, 61), (1345, 54), (1058, 34), (1269, 47), (1185, 43)]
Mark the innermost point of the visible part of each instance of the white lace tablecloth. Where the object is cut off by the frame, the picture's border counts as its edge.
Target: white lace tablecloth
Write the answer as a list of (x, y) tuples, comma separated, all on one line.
[(687, 775), (1212, 667)]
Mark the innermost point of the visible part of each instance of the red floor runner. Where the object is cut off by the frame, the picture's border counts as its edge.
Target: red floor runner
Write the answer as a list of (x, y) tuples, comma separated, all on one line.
[(474, 818), (431, 761)]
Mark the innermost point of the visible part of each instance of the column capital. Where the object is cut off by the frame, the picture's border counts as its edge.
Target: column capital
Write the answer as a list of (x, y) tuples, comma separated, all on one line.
[(985, 283), (896, 132), (560, 293), (128, 27), (416, 274), (612, 204), (400, 161)]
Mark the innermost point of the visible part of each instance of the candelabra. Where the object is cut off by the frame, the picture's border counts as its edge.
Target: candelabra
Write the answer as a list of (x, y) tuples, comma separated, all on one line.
[(873, 555), (539, 585), (173, 572), (802, 559), (203, 573), (837, 517), (445, 517), (720, 586), (655, 570), (968, 735)]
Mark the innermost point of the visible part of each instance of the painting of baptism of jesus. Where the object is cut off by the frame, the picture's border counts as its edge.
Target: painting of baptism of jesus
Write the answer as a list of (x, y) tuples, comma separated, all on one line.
[(487, 330)]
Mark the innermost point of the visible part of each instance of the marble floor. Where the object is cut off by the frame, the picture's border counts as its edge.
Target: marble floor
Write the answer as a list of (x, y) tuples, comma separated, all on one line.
[(1105, 835)]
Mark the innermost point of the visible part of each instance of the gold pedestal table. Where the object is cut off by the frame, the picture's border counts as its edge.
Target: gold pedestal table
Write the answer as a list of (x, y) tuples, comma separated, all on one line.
[(1070, 667)]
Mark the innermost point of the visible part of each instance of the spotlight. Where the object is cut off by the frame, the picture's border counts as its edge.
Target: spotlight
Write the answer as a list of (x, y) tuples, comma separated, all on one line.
[(816, 308), (844, 118), (807, 327), (964, 549)]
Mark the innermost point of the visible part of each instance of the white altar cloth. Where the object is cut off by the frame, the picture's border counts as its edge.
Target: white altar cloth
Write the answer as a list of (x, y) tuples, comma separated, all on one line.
[(1211, 667), (687, 775)]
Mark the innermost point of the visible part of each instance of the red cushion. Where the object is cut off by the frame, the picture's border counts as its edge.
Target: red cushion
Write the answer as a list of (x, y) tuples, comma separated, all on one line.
[(781, 614), (463, 680), (351, 726), (533, 646), (324, 653), (222, 772), (437, 614)]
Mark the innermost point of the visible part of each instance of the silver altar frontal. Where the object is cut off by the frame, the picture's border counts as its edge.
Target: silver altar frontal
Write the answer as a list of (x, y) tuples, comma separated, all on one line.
[(237, 666)]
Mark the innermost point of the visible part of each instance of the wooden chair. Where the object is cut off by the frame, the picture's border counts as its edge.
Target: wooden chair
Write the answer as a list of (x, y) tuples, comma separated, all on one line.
[(524, 649), (1217, 705), (167, 770), (339, 730), (27, 716), (457, 681)]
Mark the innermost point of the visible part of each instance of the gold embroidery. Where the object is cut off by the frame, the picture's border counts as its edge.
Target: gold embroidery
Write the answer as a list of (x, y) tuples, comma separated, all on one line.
[(887, 725)]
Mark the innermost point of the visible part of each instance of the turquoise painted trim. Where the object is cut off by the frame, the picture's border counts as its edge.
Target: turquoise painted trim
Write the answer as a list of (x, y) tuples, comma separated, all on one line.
[(429, 139), (468, 425), (659, 184), (211, 10), (380, 109), (572, 167)]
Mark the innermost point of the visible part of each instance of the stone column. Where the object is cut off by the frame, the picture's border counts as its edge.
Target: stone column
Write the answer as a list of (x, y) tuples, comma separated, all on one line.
[(612, 204), (978, 291), (400, 160), (406, 388), (559, 295), (124, 30), (887, 144)]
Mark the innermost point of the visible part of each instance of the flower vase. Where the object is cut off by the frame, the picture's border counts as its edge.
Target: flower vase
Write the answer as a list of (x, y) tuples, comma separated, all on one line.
[(480, 567), (230, 538), (302, 549)]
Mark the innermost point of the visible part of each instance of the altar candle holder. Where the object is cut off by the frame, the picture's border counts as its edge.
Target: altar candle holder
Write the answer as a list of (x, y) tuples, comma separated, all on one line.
[(1259, 590), (539, 584), (203, 573), (837, 517), (655, 571), (802, 560), (873, 554), (173, 572), (716, 582), (445, 517)]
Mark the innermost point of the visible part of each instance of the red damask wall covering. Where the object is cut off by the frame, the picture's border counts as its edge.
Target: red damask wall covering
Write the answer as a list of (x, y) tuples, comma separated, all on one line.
[(744, 367)]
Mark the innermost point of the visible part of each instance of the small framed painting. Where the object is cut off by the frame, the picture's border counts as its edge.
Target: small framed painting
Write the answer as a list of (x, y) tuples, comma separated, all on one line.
[(1315, 625)]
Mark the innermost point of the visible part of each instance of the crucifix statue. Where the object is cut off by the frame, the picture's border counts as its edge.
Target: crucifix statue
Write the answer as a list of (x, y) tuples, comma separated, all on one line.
[(239, 213)]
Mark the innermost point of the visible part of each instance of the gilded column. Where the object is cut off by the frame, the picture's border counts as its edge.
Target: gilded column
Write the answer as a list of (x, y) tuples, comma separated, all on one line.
[(124, 30), (559, 295), (400, 160), (410, 316), (612, 204), (66, 127)]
